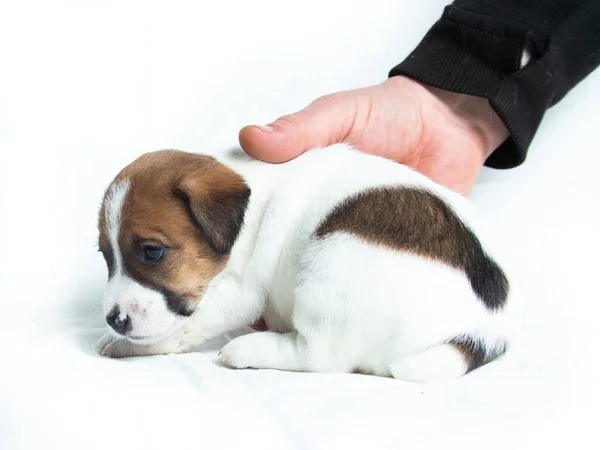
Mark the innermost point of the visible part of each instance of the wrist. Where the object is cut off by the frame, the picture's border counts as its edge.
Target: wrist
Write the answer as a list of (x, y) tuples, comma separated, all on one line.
[(467, 114), (476, 117)]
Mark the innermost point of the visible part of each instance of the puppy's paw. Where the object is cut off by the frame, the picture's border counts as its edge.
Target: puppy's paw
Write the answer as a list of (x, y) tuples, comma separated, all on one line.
[(232, 355), (113, 347), (104, 341), (255, 350)]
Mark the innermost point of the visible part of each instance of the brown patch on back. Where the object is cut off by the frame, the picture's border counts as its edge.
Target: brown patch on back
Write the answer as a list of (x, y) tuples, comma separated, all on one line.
[(171, 203), (419, 222)]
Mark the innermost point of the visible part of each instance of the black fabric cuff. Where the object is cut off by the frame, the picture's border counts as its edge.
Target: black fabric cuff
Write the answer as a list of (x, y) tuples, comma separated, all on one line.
[(472, 51)]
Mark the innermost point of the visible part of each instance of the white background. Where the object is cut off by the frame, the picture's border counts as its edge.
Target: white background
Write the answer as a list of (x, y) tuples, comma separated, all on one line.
[(85, 87)]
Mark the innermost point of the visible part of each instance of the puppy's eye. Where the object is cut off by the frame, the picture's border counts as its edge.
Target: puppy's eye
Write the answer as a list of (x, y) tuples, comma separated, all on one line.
[(152, 253)]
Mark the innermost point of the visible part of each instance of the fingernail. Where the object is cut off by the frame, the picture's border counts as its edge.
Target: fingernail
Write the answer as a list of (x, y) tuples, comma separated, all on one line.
[(265, 128)]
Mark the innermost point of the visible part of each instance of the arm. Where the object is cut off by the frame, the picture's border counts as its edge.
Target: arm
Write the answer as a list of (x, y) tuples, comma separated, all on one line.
[(477, 48), (461, 99)]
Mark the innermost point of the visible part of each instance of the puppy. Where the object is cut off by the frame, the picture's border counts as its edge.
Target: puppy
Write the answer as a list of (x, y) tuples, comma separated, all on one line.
[(356, 263)]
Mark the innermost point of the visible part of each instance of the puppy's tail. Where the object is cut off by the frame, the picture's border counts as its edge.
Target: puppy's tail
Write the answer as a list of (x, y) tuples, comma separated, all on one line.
[(449, 360)]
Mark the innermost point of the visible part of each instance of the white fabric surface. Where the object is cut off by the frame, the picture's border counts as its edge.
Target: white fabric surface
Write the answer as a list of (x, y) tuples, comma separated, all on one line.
[(85, 87)]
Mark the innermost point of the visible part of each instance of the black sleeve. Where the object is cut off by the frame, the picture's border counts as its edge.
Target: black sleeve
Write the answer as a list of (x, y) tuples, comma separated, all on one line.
[(476, 49)]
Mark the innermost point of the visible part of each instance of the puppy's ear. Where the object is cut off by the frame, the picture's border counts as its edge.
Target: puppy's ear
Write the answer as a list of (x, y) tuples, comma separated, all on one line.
[(217, 198)]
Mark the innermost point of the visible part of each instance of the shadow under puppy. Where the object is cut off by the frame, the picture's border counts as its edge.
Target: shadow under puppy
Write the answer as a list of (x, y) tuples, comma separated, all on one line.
[(356, 263)]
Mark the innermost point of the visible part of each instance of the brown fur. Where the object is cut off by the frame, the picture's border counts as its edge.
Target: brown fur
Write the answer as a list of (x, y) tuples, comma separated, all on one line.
[(416, 221), (402, 219), (475, 354), (183, 202)]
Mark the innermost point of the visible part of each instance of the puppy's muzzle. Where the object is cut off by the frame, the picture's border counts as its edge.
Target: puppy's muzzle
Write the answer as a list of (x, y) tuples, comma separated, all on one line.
[(120, 323)]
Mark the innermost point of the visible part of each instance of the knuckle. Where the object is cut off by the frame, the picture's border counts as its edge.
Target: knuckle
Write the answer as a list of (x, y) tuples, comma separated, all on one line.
[(330, 99)]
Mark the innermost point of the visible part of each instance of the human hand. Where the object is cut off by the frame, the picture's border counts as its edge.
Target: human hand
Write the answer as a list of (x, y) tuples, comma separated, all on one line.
[(444, 135)]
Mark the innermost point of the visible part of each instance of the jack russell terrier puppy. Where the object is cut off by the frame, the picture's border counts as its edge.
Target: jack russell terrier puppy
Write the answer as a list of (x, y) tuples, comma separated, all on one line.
[(356, 263)]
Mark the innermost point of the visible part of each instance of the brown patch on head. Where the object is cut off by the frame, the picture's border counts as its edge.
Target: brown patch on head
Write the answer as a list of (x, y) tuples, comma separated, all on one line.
[(417, 221), (189, 204)]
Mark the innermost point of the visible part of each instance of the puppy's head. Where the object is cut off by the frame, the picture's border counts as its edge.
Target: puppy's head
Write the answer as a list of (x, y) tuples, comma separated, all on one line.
[(167, 225)]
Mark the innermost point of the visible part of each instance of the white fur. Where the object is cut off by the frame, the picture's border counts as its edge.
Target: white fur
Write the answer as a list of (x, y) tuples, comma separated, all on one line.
[(338, 303), (113, 204), (146, 308)]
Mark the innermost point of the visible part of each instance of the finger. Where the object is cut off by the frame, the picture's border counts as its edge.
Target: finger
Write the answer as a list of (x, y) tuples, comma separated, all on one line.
[(324, 122)]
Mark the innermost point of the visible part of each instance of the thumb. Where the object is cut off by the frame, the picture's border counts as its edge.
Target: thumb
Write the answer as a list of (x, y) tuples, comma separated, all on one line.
[(324, 122)]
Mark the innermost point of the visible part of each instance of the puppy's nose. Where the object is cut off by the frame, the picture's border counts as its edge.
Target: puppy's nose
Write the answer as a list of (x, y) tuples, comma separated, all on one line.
[(120, 324)]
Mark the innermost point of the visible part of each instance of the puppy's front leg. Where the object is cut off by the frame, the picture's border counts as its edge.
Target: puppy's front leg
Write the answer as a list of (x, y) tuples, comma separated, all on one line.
[(116, 347), (266, 350)]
